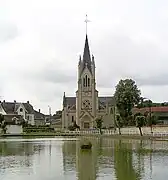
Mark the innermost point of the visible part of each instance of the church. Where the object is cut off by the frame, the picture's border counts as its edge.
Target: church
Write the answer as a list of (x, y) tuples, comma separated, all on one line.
[(87, 105)]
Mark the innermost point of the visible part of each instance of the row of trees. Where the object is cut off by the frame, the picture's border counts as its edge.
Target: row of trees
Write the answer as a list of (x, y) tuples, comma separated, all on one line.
[(127, 96), (138, 119)]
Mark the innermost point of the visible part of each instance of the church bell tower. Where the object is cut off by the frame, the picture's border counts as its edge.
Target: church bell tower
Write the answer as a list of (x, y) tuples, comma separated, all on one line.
[(86, 95)]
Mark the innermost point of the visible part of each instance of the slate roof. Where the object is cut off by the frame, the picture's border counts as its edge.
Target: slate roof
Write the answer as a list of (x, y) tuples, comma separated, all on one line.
[(70, 101), (103, 100), (28, 107), (11, 107), (38, 115)]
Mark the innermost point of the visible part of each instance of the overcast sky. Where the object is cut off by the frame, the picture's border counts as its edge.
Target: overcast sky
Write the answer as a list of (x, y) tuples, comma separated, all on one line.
[(40, 42)]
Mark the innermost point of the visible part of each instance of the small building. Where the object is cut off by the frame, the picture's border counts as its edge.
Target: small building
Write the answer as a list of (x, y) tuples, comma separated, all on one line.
[(161, 112), (39, 118), (13, 124), (26, 110)]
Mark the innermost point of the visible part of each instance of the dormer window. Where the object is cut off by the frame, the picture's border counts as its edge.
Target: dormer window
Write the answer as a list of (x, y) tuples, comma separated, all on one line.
[(21, 109)]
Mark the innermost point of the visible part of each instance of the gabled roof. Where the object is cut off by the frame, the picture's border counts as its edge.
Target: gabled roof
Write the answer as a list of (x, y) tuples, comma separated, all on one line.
[(11, 107)]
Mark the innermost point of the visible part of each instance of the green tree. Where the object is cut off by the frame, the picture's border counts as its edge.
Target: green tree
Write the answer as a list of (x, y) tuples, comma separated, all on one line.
[(152, 119), (119, 123), (140, 122), (127, 95), (99, 123), (2, 124)]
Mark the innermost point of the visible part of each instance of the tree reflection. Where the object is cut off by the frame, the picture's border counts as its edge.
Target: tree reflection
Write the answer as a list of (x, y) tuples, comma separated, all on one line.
[(123, 162)]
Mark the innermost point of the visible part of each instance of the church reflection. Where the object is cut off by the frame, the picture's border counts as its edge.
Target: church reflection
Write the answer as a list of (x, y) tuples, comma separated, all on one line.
[(107, 155)]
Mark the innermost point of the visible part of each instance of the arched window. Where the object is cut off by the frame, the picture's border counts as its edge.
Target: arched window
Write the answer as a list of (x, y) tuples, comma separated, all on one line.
[(88, 82)]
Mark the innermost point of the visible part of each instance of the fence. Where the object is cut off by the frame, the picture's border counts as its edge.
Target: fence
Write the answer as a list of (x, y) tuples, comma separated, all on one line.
[(124, 131)]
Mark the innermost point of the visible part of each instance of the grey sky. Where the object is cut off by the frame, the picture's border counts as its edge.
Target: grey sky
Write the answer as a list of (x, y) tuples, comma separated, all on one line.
[(40, 43)]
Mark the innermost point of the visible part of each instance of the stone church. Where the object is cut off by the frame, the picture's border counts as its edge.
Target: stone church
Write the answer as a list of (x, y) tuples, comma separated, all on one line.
[(87, 105)]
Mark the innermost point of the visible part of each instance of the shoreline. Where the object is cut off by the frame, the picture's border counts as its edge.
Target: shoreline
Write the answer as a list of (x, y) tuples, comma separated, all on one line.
[(117, 136)]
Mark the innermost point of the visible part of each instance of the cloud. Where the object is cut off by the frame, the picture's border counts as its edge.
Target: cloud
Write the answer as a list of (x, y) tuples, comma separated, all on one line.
[(51, 73), (7, 31), (40, 43), (155, 80)]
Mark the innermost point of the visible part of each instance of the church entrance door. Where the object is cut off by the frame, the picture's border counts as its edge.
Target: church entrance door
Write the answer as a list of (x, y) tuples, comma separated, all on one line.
[(86, 125), (86, 122)]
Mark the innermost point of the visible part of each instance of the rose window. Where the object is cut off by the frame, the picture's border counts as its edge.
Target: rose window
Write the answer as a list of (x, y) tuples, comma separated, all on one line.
[(86, 104)]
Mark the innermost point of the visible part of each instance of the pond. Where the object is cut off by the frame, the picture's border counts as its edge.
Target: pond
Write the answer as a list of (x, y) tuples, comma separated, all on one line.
[(62, 159)]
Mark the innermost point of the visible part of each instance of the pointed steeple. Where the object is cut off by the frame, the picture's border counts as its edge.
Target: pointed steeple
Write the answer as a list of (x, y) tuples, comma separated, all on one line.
[(86, 55)]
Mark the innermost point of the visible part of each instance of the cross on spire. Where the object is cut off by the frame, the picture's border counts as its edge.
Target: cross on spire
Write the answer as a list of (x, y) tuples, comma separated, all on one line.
[(86, 21)]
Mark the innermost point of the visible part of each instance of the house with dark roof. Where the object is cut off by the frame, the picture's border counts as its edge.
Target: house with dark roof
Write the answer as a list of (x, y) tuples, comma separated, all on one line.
[(39, 118), (87, 105), (21, 111)]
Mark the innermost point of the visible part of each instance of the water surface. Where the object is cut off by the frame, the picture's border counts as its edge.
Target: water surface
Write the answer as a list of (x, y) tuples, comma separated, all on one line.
[(62, 159)]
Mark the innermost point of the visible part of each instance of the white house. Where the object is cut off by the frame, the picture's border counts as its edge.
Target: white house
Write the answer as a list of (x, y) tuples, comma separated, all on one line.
[(16, 108)]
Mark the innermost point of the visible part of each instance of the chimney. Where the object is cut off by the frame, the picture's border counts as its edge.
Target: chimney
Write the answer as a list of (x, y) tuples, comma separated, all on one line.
[(27, 102), (14, 101), (39, 110)]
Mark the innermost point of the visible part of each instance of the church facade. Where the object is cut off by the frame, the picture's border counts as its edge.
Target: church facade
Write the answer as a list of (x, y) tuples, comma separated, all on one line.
[(87, 105)]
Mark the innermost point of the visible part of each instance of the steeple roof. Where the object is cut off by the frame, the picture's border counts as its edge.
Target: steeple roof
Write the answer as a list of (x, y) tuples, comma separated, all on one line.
[(86, 55)]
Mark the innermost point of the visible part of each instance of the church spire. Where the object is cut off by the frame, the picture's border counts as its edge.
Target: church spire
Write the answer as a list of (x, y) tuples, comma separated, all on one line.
[(86, 55)]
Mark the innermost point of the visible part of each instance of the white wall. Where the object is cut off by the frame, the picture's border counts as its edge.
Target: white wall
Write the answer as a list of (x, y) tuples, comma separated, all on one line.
[(23, 113), (30, 119), (14, 129)]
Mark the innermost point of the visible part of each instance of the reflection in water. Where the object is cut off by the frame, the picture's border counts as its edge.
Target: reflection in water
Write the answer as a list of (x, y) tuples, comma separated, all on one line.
[(50, 159), (123, 162)]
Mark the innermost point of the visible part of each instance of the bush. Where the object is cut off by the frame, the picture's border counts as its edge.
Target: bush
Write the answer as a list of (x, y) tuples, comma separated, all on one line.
[(71, 128), (38, 129)]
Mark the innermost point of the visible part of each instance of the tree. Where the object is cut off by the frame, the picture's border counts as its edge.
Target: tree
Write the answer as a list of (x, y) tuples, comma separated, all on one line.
[(152, 119), (140, 122), (99, 123), (2, 124), (127, 95), (119, 123)]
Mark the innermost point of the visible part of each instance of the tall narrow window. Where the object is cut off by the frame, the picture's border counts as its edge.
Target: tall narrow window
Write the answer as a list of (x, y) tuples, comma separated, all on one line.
[(72, 118), (83, 82), (88, 82)]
